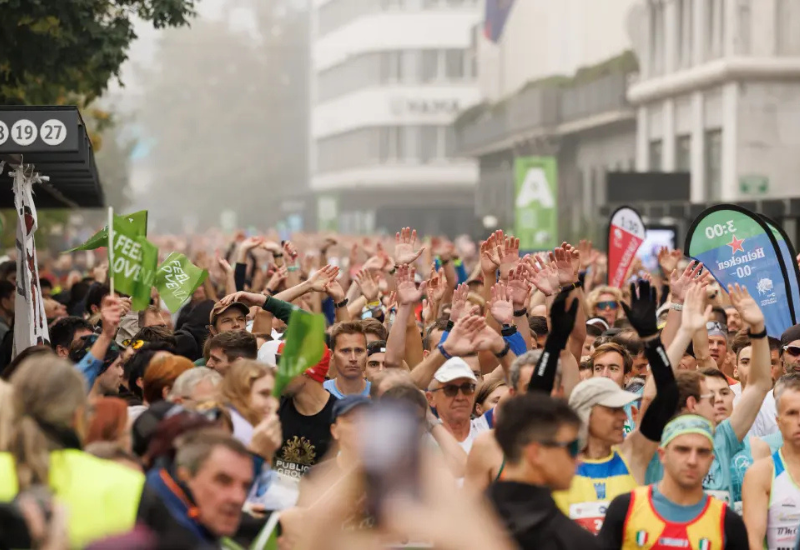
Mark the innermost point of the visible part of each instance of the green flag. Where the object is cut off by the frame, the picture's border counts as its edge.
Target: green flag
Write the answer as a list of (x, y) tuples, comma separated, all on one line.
[(134, 264), (136, 223), (176, 280), (305, 346)]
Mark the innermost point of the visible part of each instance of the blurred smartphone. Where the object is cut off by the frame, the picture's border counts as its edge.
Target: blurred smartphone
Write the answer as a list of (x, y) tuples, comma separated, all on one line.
[(390, 454)]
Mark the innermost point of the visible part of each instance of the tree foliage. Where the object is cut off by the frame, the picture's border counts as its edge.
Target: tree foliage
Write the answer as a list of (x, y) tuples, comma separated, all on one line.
[(52, 49)]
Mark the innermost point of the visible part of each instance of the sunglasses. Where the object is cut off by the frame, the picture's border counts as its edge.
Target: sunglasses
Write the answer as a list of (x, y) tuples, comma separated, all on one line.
[(794, 351), (713, 325), (135, 344), (451, 390), (572, 447), (710, 396), (607, 305)]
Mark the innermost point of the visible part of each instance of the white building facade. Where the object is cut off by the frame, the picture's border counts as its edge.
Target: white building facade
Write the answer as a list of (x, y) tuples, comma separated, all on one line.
[(718, 95), (388, 79)]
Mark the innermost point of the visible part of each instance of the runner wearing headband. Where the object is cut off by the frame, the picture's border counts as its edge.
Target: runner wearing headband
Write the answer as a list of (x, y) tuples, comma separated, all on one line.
[(675, 512)]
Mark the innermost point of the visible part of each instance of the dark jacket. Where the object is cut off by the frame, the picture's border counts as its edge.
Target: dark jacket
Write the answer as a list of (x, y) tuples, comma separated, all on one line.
[(192, 335), (531, 516)]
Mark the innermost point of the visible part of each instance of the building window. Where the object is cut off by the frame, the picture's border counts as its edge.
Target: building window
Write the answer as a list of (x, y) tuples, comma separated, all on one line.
[(428, 144), (656, 149), (454, 64), (683, 154), (430, 65), (393, 144), (391, 67), (713, 158), (684, 34)]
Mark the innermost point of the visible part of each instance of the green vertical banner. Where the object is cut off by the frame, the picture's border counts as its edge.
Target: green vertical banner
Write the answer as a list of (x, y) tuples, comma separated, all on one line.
[(536, 203)]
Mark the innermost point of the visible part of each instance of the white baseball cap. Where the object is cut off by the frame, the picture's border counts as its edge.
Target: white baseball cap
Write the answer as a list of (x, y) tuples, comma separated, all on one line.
[(453, 369), (267, 353)]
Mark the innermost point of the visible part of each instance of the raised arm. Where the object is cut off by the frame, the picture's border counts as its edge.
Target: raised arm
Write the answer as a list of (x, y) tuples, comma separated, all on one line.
[(639, 446), (408, 295), (759, 381), (461, 342), (562, 320)]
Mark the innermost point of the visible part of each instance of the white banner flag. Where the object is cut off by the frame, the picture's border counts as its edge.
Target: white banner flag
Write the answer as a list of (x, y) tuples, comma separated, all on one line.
[(30, 323)]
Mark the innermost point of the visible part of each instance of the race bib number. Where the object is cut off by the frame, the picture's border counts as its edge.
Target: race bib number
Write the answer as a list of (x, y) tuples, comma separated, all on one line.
[(724, 496), (589, 515)]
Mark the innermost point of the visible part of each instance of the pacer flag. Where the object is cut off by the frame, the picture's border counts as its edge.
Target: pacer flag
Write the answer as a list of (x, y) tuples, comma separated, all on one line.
[(135, 260), (304, 348), (737, 246), (625, 235), (788, 254), (135, 223), (176, 280)]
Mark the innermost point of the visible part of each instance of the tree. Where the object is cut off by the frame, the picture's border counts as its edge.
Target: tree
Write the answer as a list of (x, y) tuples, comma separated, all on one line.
[(50, 49)]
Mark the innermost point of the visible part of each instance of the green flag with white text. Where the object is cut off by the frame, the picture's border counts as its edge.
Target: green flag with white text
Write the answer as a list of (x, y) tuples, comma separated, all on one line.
[(135, 223), (176, 280), (304, 347), (134, 261), (536, 203)]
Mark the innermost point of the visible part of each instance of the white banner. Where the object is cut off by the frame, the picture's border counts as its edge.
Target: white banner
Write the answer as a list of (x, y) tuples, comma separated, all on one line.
[(30, 323)]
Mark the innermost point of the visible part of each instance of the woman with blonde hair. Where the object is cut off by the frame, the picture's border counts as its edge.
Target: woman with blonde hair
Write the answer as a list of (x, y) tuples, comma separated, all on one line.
[(49, 406), (246, 391), (605, 302)]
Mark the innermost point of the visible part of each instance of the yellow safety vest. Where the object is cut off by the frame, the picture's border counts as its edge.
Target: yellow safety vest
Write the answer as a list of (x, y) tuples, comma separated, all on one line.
[(645, 529), (101, 497)]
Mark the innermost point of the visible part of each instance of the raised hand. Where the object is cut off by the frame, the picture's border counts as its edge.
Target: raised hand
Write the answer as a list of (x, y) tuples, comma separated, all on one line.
[(367, 284), (407, 291), (544, 278), (490, 255), (110, 314), (437, 285), (319, 280), (574, 255), (278, 277), (272, 247), (500, 305), (642, 311), (225, 266), (327, 243), (290, 250), (247, 298), (588, 253), (678, 284), (459, 307), (519, 287), (693, 318), (509, 255), (489, 339), (249, 244), (375, 263), (563, 264), (668, 259), (405, 241), (746, 306), (461, 340)]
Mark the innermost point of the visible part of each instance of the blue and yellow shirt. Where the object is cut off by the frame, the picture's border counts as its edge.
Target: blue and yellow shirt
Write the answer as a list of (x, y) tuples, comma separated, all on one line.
[(594, 486)]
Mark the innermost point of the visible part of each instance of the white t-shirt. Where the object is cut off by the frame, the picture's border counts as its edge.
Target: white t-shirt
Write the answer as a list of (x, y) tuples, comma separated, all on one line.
[(765, 422)]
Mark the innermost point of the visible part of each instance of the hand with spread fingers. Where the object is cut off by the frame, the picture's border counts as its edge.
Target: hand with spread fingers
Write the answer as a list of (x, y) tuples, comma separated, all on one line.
[(563, 263), (746, 306), (693, 274), (405, 241), (500, 305), (642, 311), (509, 255), (490, 256), (668, 259), (461, 340), (367, 284), (407, 291), (519, 287), (545, 279)]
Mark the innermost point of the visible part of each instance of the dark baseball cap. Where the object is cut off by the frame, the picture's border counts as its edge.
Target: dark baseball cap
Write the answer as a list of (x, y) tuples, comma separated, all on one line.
[(219, 309), (378, 346), (348, 403)]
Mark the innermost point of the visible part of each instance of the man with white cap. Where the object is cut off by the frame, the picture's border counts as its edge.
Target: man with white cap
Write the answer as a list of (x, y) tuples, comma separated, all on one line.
[(452, 394), (676, 512), (613, 464)]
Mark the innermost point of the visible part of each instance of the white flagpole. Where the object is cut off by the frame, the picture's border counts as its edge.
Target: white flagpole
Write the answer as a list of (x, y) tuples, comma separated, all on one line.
[(111, 250)]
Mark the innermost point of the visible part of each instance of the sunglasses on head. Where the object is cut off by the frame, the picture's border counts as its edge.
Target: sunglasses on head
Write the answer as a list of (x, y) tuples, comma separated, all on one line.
[(713, 325), (572, 447), (135, 344), (451, 390), (607, 305), (794, 351)]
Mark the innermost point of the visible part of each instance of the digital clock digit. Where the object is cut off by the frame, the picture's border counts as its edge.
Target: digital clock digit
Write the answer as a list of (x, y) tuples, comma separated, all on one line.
[(720, 229)]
